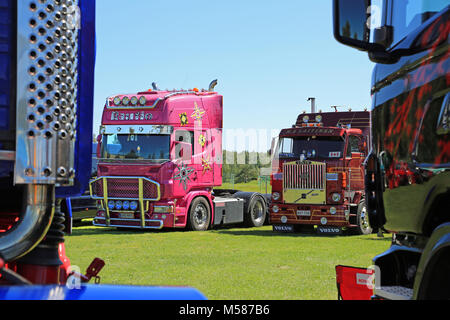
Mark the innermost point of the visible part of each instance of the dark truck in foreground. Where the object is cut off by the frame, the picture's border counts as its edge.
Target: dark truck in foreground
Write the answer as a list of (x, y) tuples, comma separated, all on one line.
[(408, 41)]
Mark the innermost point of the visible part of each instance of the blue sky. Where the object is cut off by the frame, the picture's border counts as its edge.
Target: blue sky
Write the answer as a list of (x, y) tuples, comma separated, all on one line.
[(268, 56)]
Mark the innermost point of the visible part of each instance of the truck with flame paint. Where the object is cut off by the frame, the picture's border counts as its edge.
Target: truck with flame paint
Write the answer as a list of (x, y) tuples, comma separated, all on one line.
[(160, 156), (318, 176), (408, 168)]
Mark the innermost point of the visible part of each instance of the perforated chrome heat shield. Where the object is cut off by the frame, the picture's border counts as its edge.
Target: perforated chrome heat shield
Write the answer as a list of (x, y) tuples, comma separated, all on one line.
[(47, 45)]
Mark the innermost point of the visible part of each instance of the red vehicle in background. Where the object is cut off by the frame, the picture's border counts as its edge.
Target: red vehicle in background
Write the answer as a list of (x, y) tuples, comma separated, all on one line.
[(318, 177), (160, 155)]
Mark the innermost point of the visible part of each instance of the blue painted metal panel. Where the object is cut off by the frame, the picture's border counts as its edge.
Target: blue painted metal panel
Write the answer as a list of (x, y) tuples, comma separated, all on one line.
[(6, 50), (99, 292)]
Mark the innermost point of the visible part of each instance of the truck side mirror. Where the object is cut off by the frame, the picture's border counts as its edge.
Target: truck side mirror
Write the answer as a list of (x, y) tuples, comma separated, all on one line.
[(351, 23), (99, 145), (358, 24)]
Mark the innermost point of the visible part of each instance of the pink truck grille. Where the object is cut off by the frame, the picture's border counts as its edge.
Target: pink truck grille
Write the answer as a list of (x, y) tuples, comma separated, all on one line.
[(125, 188), (304, 176)]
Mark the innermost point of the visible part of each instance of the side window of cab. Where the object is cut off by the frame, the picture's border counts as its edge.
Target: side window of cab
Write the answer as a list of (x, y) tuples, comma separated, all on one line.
[(353, 145)]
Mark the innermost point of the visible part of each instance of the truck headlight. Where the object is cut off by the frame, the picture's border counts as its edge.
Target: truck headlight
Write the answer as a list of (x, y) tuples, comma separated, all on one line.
[(275, 196), (117, 101), (111, 204), (275, 209), (134, 101), (336, 197), (125, 101), (333, 210), (163, 209), (118, 205), (126, 205), (142, 101)]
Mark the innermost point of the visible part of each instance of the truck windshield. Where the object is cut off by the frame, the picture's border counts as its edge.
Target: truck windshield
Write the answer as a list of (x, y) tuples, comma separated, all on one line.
[(136, 147), (311, 147), (407, 15)]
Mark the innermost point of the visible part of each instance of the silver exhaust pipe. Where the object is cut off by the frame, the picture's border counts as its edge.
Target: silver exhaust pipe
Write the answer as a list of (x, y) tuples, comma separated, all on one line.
[(313, 104), (212, 85), (155, 86), (34, 222)]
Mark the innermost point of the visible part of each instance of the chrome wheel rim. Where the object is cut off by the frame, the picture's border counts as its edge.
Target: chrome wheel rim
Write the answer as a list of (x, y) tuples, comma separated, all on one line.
[(200, 215), (258, 211)]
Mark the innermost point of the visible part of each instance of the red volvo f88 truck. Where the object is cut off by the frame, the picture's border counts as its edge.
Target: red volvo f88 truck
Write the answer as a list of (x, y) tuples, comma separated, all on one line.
[(318, 176), (408, 168), (160, 155)]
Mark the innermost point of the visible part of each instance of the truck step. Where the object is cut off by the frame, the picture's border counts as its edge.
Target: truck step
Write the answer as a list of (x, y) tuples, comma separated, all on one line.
[(394, 293)]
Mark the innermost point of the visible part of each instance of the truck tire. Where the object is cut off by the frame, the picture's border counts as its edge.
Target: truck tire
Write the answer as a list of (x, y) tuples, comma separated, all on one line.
[(199, 215), (256, 213), (362, 220), (255, 208)]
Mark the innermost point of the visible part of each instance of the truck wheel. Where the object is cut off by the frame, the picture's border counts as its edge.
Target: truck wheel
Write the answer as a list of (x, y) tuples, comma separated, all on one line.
[(199, 215), (362, 220), (256, 212)]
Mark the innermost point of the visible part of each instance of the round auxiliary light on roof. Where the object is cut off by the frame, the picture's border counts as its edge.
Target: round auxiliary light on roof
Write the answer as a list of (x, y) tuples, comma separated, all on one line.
[(117, 101), (305, 119), (142, 101), (319, 118), (125, 101), (134, 101)]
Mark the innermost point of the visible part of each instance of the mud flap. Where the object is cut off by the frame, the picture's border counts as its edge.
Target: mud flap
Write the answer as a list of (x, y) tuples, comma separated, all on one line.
[(354, 283)]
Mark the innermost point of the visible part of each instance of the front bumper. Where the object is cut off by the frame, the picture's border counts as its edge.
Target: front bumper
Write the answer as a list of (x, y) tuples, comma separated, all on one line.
[(127, 219), (139, 189), (319, 215)]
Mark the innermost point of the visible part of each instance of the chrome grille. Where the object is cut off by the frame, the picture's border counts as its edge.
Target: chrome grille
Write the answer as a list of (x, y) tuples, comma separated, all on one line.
[(125, 188), (304, 176)]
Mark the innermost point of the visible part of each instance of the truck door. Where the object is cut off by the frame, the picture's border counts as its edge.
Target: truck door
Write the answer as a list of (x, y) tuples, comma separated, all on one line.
[(203, 164)]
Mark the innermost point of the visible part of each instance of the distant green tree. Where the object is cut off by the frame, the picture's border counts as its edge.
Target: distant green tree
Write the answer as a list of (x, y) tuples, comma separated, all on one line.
[(247, 173)]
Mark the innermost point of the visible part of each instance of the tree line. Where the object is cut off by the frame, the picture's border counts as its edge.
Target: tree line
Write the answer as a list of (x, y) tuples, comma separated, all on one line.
[(243, 166)]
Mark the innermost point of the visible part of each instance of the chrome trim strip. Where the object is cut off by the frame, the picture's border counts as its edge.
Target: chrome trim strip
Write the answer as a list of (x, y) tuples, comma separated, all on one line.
[(7, 155), (137, 129), (161, 224)]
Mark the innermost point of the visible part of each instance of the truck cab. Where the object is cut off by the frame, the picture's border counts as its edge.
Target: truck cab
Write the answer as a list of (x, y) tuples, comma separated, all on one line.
[(160, 156), (408, 169), (318, 176)]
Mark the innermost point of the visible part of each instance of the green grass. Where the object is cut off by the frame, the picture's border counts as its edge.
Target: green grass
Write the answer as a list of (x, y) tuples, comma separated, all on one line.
[(225, 263)]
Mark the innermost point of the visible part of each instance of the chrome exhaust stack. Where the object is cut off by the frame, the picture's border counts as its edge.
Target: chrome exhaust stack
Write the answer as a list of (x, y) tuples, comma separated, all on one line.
[(35, 221), (212, 85), (313, 104), (46, 107)]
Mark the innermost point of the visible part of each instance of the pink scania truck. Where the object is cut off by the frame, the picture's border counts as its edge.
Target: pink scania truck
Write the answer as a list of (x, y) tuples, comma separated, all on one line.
[(160, 156)]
